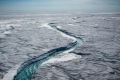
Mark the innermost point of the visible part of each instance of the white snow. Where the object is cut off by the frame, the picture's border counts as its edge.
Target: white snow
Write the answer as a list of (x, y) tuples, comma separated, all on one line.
[(64, 57), (11, 73), (7, 32), (64, 35)]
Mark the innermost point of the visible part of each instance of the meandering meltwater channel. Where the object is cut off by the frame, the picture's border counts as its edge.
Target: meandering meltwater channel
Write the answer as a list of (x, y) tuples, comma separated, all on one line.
[(27, 68)]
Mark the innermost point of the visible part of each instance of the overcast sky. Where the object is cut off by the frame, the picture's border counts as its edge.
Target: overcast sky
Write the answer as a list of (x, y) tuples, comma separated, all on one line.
[(60, 5)]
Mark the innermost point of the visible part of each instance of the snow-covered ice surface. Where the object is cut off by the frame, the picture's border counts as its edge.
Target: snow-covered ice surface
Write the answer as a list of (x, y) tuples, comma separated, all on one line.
[(23, 37), (68, 56), (11, 73)]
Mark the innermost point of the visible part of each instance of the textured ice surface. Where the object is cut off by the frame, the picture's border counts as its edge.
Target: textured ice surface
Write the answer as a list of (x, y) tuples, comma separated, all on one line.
[(22, 37)]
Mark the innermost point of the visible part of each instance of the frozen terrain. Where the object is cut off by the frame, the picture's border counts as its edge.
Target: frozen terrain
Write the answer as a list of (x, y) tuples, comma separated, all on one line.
[(24, 37)]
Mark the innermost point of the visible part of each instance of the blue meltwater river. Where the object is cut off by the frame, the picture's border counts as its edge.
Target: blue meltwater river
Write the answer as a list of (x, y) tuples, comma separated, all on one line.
[(27, 68)]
